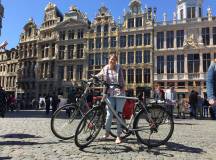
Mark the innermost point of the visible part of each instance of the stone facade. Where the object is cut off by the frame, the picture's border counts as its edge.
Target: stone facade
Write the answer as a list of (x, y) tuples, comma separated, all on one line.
[(68, 48)]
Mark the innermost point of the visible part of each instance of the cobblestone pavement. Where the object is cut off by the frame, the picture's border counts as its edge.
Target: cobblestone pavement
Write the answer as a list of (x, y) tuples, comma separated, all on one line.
[(27, 135)]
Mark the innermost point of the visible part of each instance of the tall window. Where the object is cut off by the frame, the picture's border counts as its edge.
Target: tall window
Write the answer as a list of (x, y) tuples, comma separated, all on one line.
[(138, 39), (98, 29), (130, 40), (113, 42), (105, 42), (122, 58), (62, 35), (147, 39), (79, 72), (79, 50), (170, 64), (130, 23), (80, 33), (180, 63), (147, 75), (160, 40), (179, 38), (139, 75), (146, 56), (71, 34), (138, 57), (139, 22), (206, 61), (170, 39), (193, 63), (122, 41), (98, 42), (205, 36), (214, 35), (91, 60), (191, 12), (91, 44), (97, 59), (106, 28), (69, 73), (61, 52), (70, 51), (130, 57), (160, 64), (61, 72), (104, 58), (130, 76)]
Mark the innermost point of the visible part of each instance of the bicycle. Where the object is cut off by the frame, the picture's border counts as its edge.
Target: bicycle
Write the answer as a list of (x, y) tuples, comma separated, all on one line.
[(149, 120), (63, 121)]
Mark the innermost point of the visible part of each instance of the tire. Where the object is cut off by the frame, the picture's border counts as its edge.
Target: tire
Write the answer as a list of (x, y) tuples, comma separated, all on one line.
[(89, 127), (64, 121), (156, 135)]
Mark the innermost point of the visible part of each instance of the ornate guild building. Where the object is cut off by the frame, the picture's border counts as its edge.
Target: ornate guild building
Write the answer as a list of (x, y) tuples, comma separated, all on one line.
[(67, 48)]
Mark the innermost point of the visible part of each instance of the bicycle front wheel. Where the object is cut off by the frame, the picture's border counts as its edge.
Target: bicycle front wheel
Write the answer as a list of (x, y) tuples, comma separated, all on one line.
[(64, 121), (158, 132), (89, 127)]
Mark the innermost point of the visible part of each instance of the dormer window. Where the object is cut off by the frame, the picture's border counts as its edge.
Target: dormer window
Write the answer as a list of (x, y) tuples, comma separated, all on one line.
[(191, 12)]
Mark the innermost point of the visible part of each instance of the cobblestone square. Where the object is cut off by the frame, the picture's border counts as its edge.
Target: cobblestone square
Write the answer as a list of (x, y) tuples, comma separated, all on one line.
[(27, 135)]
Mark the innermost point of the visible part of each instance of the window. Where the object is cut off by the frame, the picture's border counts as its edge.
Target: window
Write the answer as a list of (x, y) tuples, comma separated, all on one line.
[(91, 60), (91, 44), (105, 42), (130, 76), (97, 59), (130, 40), (139, 75), (170, 39), (61, 72), (130, 23), (200, 12), (139, 40), (106, 27), (147, 75), (214, 35), (80, 33), (70, 34), (191, 12), (99, 29), (138, 57), (205, 36), (193, 63), (139, 22), (147, 39), (79, 72), (122, 41), (61, 52), (62, 35), (160, 64), (70, 51), (98, 42), (206, 61), (53, 50), (170, 64), (113, 41), (105, 58), (160, 40), (130, 57), (79, 50), (69, 73), (122, 58), (180, 63), (146, 56), (179, 38)]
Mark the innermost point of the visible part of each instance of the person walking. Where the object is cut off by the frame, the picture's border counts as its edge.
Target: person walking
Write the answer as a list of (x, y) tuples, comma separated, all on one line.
[(3, 102), (112, 73), (47, 101), (55, 102), (193, 100), (211, 88), (170, 98)]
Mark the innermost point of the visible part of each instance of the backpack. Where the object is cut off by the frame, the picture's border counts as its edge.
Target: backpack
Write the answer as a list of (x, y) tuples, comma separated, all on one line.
[(128, 109)]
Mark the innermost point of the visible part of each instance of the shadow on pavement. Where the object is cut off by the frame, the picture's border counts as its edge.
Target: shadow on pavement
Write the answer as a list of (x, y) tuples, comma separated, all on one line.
[(28, 114), (20, 136), (1, 158)]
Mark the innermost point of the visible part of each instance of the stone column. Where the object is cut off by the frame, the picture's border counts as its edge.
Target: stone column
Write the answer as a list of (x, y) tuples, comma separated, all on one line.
[(65, 72), (211, 35), (186, 66), (175, 40), (74, 72), (175, 66), (165, 40), (201, 66)]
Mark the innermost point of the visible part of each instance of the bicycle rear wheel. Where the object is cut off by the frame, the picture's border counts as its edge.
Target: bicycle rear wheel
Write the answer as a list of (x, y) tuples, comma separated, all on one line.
[(89, 127), (64, 121), (157, 133)]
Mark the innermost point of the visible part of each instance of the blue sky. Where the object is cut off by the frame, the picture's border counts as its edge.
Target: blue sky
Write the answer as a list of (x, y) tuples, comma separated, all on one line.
[(18, 12)]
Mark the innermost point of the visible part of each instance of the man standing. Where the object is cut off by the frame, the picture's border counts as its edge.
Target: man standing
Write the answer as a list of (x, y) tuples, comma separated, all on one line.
[(170, 98), (211, 88), (3, 102)]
